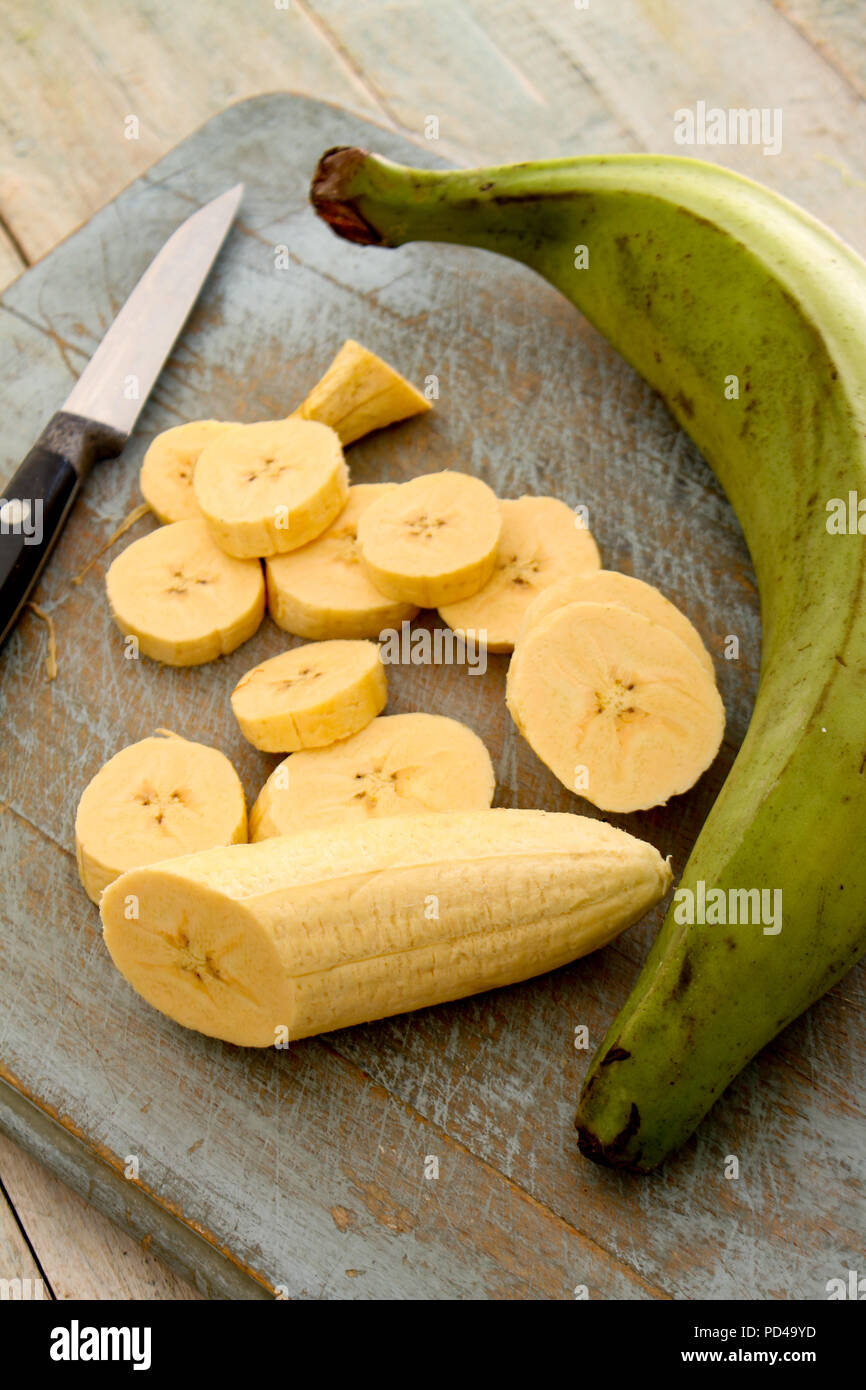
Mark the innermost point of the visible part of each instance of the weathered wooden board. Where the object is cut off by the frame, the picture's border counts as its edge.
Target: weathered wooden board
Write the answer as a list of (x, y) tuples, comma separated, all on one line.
[(91, 97), (16, 1256), (506, 79), (81, 1253), (306, 1168)]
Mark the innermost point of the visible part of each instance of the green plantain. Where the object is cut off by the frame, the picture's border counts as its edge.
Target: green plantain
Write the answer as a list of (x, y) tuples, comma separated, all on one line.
[(697, 276)]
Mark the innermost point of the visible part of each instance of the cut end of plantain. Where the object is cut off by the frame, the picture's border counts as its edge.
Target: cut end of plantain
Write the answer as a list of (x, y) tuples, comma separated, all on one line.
[(432, 540), (360, 393), (182, 598), (400, 765), (542, 541), (322, 590), (199, 956), (271, 487), (156, 799), (620, 710), (169, 465), (310, 696), (266, 943)]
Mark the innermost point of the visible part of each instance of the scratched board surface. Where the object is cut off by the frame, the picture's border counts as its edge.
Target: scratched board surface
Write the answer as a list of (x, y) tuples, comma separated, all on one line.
[(304, 1171)]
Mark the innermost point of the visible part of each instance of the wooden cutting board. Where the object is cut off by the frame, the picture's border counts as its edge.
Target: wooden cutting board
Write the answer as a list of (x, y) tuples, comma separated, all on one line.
[(308, 1173)]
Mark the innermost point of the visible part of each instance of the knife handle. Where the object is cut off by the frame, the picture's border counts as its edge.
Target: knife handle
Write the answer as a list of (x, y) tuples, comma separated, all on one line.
[(36, 501)]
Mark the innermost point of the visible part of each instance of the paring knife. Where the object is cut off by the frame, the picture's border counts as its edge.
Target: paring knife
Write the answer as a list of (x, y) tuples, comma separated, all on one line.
[(98, 417)]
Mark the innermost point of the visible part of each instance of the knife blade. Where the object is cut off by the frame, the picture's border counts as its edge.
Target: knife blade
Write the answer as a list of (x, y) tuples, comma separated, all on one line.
[(100, 412)]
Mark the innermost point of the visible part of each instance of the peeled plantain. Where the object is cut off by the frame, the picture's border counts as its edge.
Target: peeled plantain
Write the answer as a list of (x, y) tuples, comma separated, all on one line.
[(304, 933)]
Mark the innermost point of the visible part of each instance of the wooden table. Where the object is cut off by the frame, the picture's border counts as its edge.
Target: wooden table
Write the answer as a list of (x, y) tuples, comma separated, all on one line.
[(93, 94)]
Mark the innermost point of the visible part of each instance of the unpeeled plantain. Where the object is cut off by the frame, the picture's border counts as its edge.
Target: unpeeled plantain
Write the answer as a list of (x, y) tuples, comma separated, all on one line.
[(750, 318)]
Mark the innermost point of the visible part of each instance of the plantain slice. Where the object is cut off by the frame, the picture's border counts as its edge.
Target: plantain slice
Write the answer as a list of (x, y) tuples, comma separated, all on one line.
[(609, 586), (432, 540), (271, 487), (182, 598), (154, 800), (169, 464), (541, 542), (322, 590), (310, 696), (616, 706), (399, 765)]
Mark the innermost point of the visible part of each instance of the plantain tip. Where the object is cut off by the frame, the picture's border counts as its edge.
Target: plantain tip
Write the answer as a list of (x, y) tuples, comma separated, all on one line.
[(617, 1152), (330, 198)]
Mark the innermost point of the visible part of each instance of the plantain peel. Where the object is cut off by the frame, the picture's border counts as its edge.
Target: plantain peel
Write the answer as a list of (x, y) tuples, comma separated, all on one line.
[(266, 943), (704, 279)]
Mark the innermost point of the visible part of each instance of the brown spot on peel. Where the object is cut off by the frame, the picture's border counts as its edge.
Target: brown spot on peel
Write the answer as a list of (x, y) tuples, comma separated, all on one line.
[(684, 978)]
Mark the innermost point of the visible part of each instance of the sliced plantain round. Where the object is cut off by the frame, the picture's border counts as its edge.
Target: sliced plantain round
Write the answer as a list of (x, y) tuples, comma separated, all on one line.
[(432, 540), (542, 541), (310, 696), (399, 765), (322, 591), (620, 709), (154, 800), (169, 465), (271, 487), (609, 586), (183, 599)]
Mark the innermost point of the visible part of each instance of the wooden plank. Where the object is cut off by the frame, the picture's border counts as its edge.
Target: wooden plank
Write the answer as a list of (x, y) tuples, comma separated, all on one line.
[(11, 261), (506, 81), (74, 79), (835, 29), (646, 59), (82, 1254), (20, 1274), (308, 1164), (485, 97)]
